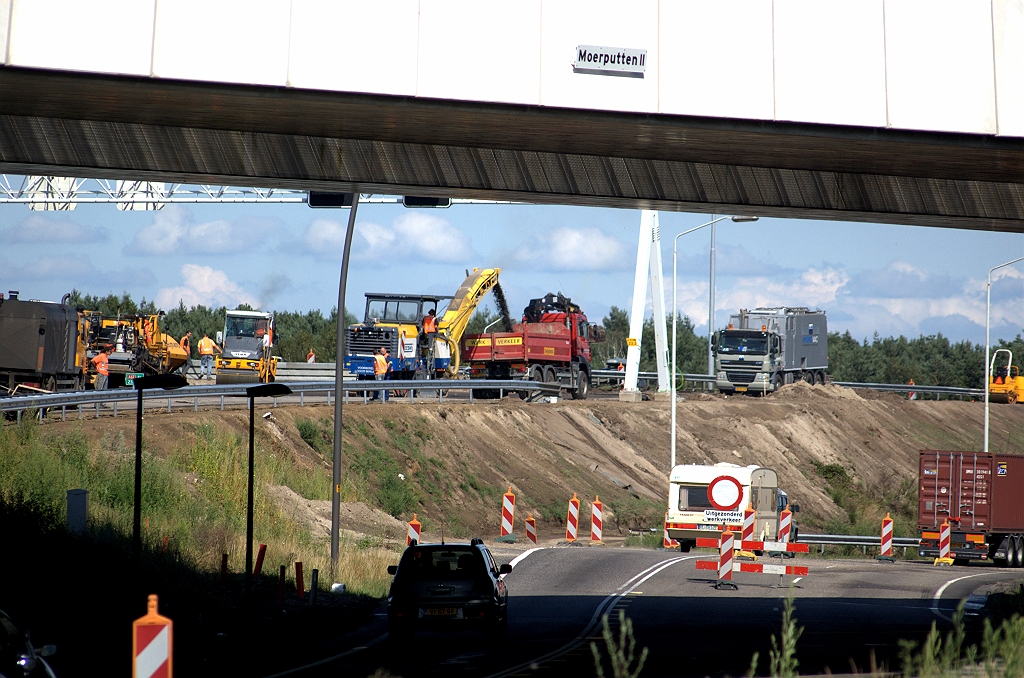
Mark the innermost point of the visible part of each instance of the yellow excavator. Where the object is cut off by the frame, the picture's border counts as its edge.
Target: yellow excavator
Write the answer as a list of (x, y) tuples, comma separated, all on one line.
[(395, 322)]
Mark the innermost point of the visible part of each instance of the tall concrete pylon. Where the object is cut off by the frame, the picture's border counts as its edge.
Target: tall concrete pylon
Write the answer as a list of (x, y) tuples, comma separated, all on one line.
[(648, 261)]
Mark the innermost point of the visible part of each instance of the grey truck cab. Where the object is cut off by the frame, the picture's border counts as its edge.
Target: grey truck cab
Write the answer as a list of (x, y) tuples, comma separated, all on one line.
[(765, 348)]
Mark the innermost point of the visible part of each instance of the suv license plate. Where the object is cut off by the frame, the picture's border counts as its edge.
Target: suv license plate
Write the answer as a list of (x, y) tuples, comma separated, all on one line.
[(442, 611), (707, 527)]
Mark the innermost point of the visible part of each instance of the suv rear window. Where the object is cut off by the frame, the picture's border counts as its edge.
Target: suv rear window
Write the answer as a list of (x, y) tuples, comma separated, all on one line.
[(442, 563)]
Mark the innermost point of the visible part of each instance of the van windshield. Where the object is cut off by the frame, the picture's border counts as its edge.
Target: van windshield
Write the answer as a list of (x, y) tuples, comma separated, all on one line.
[(694, 498)]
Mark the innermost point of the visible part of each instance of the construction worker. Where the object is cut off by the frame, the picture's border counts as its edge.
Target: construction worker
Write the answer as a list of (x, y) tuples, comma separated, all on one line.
[(206, 348), (310, 357), (430, 322), (380, 372), (102, 363)]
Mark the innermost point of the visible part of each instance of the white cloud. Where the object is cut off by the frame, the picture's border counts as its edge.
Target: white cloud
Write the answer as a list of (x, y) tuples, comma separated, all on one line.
[(414, 235), (204, 285), (573, 249), (40, 228), (174, 231)]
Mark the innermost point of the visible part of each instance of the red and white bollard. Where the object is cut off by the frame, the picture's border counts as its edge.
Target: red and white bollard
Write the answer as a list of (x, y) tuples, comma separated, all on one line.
[(152, 644), (748, 524), (667, 541), (725, 549), (785, 525), (531, 529), (414, 531), (885, 552), (944, 545), (508, 512), (596, 521), (573, 519)]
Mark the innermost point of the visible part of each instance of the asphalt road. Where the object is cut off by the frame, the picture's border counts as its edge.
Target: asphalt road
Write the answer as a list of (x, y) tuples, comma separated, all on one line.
[(850, 610)]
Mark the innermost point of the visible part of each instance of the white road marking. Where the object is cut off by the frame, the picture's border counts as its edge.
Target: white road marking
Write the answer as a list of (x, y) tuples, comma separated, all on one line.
[(595, 619), (942, 589), (518, 559), (328, 660), (797, 579)]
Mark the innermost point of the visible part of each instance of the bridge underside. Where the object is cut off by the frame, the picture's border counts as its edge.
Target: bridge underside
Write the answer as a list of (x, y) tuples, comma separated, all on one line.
[(58, 123)]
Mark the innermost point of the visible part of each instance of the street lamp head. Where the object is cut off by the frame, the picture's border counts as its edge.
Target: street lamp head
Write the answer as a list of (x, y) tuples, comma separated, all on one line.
[(740, 219), (271, 390), (165, 381)]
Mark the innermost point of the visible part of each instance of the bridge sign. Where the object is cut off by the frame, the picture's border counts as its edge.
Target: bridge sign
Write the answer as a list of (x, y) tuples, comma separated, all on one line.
[(130, 377)]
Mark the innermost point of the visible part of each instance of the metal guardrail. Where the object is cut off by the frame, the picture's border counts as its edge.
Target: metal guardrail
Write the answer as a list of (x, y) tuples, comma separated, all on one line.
[(619, 375), (854, 540), (80, 399), (916, 388)]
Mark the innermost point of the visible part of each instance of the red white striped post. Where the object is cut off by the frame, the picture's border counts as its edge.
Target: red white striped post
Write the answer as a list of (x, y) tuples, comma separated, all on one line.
[(152, 644), (573, 519), (667, 541), (508, 512), (414, 531), (725, 549), (785, 525), (944, 545), (596, 518), (748, 524), (531, 529), (885, 552)]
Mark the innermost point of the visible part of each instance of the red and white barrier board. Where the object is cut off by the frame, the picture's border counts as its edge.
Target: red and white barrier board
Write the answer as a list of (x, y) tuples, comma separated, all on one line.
[(667, 541), (758, 546), (531, 529), (886, 549), (508, 512), (725, 565), (596, 519), (725, 560), (573, 519), (414, 531), (762, 568), (152, 643)]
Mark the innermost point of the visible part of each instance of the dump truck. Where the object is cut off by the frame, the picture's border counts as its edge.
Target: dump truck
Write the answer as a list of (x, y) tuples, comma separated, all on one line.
[(550, 345), (247, 343), (981, 496), (765, 348), (1005, 384), (139, 346), (705, 500), (42, 346), (395, 322)]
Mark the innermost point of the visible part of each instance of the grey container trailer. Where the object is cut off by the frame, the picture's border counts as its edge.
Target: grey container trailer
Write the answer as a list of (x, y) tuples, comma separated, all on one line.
[(39, 345), (765, 348)]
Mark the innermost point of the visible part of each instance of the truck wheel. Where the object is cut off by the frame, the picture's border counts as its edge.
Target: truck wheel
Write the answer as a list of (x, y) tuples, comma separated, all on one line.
[(777, 382), (819, 378), (1018, 558), (582, 386), (808, 377), (549, 375)]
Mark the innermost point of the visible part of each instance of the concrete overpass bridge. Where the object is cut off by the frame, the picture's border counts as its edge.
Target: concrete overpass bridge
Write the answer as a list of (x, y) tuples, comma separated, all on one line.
[(876, 110)]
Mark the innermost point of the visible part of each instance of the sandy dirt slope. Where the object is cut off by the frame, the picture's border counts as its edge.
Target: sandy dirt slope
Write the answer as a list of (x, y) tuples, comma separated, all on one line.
[(465, 455)]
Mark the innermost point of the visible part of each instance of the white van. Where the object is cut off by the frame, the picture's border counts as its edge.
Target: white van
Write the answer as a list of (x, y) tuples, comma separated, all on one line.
[(704, 501)]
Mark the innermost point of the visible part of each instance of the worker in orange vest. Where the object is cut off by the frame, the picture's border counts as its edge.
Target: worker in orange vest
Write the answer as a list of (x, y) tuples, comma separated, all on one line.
[(102, 363), (381, 366), (206, 348), (430, 322)]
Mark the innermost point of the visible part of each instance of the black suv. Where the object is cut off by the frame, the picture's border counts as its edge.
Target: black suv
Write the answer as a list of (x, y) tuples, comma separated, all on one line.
[(447, 586)]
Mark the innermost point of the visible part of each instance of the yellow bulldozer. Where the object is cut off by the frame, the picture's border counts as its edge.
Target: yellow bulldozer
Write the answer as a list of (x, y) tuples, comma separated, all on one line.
[(1005, 384), (138, 344)]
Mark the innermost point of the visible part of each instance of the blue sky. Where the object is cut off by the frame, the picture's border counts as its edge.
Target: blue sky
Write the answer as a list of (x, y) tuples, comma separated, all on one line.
[(869, 277)]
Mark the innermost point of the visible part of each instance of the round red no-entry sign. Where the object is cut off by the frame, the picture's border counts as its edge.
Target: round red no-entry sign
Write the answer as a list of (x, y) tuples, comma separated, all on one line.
[(725, 493)]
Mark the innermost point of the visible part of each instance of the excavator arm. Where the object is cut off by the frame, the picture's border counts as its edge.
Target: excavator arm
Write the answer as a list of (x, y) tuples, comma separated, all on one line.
[(452, 324)]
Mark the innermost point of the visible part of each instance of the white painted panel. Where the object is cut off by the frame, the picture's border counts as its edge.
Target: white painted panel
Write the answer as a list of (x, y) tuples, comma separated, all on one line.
[(830, 62), (223, 41), (354, 45), (939, 65), (5, 16), (108, 36), (716, 59), (480, 51), (1008, 17), (568, 23)]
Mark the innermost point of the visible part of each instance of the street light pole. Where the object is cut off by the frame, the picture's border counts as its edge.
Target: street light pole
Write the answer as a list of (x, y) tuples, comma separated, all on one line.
[(711, 304), (675, 316), (988, 322)]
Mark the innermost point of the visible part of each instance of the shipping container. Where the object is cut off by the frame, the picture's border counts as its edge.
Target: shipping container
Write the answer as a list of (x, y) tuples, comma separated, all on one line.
[(40, 345), (981, 496)]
